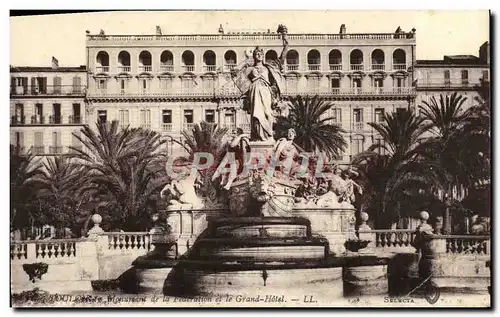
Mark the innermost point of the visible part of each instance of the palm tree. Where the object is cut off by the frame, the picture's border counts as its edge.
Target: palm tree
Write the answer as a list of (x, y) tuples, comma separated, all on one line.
[(58, 191), (22, 169), (452, 146), (121, 169), (392, 171), (205, 137), (309, 117)]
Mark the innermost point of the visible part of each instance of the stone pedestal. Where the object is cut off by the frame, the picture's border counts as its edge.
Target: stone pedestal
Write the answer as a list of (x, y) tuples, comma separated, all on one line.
[(365, 280)]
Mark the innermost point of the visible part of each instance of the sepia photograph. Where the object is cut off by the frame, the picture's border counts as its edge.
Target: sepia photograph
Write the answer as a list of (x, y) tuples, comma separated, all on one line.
[(250, 159)]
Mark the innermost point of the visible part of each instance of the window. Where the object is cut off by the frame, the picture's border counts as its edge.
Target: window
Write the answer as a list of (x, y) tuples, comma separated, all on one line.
[(101, 84), (400, 82), (38, 113), (335, 84), (357, 146), (77, 84), (123, 86), (313, 83), (145, 118), (39, 85), (292, 84), (379, 115), (447, 77), (485, 75), (208, 84), (123, 117), (188, 116), (19, 141), (337, 115), (167, 116), (229, 120), (165, 83), (210, 116), (358, 115), (38, 147), (380, 150), (56, 143), (400, 109), (145, 85), (378, 83), (465, 76), (102, 116), (56, 113), (76, 118), (57, 85), (19, 115), (356, 84)]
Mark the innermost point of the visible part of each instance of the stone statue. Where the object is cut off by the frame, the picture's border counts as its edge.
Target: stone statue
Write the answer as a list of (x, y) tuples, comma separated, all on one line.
[(182, 192), (349, 186), (262, 84), (286, 146), (239, 145)]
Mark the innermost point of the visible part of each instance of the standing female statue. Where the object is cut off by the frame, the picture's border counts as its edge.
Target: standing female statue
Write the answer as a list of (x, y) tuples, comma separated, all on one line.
[(262, 84)]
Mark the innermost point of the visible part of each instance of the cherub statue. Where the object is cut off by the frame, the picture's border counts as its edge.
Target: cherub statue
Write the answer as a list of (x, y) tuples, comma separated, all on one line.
[(349, 186), (182, 192)]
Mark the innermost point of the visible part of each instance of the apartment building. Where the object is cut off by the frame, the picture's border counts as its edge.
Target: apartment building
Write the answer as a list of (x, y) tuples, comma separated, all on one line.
[(170, 82), (47, 105)]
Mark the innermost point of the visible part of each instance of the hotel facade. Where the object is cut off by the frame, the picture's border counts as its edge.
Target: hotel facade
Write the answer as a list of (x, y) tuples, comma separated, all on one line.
[(168, 83)]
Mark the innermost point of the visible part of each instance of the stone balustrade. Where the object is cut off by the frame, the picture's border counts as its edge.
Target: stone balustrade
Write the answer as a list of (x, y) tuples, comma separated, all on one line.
[(128, 240)]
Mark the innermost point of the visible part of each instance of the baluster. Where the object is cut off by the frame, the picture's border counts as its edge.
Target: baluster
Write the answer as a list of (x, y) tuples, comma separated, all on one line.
[(406, 239), (460, 245), (71, 249), (56, 249), (13, 251), (120, 241), (24, 251), (134, 242), (146, 242), (38, 251), (378, 241), (50, 248), (141, 242)]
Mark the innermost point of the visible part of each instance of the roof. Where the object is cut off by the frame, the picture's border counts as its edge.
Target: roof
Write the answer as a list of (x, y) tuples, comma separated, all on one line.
[(27, 69)]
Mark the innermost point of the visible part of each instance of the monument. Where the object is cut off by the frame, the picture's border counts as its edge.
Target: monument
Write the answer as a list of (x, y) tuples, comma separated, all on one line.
[(284, 224)]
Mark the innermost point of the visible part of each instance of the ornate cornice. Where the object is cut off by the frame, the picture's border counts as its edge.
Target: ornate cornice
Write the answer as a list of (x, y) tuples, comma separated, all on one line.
[(166, 75), (145, 75), (292, 74), (123, 75), (400, 74), (314, 75), (378, 74), (209, 75), (357, 74), (101, 75), (335, 75), (187, 75)]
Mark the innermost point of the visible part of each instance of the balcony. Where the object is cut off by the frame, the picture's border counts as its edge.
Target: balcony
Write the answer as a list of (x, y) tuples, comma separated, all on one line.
[(55, 120), (188, 68), (102, 69), (37, 120), (378, 66), (229, 67), (355, 91), (17, 120), (335, 67), (314, 67), (166, 68), (58, 90), (39, 149), (358, 126), (209, 68), (399, 66), (166, 127), (188, 126), (124, 69), (146, 126), (57, 149), (75, 119), (357, 67), (292, 67), (145, 68)]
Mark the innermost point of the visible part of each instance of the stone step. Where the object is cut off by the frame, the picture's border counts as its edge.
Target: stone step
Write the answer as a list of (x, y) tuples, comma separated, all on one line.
[(262, 230)]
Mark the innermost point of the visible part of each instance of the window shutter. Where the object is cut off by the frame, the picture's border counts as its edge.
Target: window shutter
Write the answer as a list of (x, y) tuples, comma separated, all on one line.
[(33, 85), (13, 85)]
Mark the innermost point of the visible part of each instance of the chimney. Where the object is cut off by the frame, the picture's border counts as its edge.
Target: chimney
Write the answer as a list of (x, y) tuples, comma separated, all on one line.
[(158, 30), (343, 29), (221, 29), (55, 62), (484, 53)]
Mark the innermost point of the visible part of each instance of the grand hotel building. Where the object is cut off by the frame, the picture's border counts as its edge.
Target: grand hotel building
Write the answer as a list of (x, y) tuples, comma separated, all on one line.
[(168, 83)]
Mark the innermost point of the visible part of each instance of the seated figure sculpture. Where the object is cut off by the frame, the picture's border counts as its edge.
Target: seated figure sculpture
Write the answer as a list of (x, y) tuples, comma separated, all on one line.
[(182, 191)]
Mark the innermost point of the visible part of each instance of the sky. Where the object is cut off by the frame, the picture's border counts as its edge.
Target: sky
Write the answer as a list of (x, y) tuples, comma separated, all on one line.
[(35, 39)]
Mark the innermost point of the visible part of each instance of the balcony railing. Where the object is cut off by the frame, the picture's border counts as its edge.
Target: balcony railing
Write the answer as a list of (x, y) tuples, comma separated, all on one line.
[(314, 67), (358, 126), (145, 68), (166, 68), (75, 119), (209, 68), (102, 69), (37, 120), (58, 90), (357, 67), (39, 149), (229, 67), (447, 84), (188, 68), (334, 67), (55, 120), (399, 66), (292, 67), (378, 66), (166, 126), (188, 126), (17, 120), (145, 125), (124, 68), (57, 149)]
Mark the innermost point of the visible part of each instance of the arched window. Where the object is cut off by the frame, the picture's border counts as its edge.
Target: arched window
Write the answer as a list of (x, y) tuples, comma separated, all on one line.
[(209, 61), (313, 60), (378, 60), (292, 60), (356, 60), (399, 60), (335, 60), (145, 61), (124, 61), (188, 61), (229, 60), (102, 62), (166, 61)]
